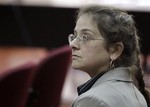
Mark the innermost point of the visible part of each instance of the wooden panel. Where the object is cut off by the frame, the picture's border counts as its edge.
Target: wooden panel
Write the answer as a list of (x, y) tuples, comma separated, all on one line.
[(14, 56)]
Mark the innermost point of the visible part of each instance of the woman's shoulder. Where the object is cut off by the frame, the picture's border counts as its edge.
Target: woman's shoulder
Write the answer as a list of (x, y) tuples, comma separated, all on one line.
[(112, 94), (101, 95), (105, 92)]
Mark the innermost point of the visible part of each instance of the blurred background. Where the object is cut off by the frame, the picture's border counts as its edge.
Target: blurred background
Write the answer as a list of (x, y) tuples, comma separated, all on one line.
[(31, 28)]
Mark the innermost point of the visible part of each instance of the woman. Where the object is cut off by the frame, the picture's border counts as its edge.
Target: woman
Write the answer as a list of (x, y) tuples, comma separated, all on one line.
[(106, 46)]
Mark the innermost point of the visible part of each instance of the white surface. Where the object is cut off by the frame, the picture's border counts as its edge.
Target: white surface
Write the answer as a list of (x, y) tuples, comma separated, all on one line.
[(134, 5)]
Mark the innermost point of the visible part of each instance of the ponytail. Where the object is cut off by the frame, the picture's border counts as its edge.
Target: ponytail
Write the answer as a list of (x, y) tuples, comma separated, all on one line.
[(141, 84)]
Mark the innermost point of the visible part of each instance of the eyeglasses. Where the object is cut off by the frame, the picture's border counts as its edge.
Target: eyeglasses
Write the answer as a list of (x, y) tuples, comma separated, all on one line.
[(81, 39)]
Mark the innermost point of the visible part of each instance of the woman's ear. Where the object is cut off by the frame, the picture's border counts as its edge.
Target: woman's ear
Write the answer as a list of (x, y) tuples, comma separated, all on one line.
[(115, 50)]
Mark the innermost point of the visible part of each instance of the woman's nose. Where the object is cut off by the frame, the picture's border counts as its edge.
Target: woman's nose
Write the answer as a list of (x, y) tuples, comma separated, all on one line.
[(74, 44)]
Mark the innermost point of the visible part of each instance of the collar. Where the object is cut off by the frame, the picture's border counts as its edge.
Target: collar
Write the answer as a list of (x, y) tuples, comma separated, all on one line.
[(86, 86), (119, 74)]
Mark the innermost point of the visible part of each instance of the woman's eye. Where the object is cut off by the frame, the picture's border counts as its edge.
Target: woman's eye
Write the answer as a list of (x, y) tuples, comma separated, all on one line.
[(85, 37)]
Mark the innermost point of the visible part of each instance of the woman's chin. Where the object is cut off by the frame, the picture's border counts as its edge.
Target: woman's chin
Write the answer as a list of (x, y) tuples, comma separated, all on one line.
[(76, 66)]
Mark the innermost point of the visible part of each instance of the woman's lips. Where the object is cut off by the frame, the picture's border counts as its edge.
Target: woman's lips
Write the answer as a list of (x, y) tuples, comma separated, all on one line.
[(75, 56)]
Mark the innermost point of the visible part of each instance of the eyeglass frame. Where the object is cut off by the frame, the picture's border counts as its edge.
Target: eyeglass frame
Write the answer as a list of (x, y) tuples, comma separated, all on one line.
[(82, 39)]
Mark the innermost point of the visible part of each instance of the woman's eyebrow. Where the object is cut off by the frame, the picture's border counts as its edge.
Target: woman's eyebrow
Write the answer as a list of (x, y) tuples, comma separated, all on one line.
[(85, 30)]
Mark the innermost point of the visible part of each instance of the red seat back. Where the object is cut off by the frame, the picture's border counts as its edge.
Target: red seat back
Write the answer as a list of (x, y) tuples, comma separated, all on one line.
[(51, 73), (14, 85)]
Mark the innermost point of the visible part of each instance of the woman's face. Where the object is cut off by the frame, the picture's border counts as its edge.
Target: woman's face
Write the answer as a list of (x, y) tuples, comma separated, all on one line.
[(92, 56)]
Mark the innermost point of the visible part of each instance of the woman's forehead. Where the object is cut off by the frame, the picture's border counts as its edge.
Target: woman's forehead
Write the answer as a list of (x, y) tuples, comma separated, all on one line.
[(85, 23)]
